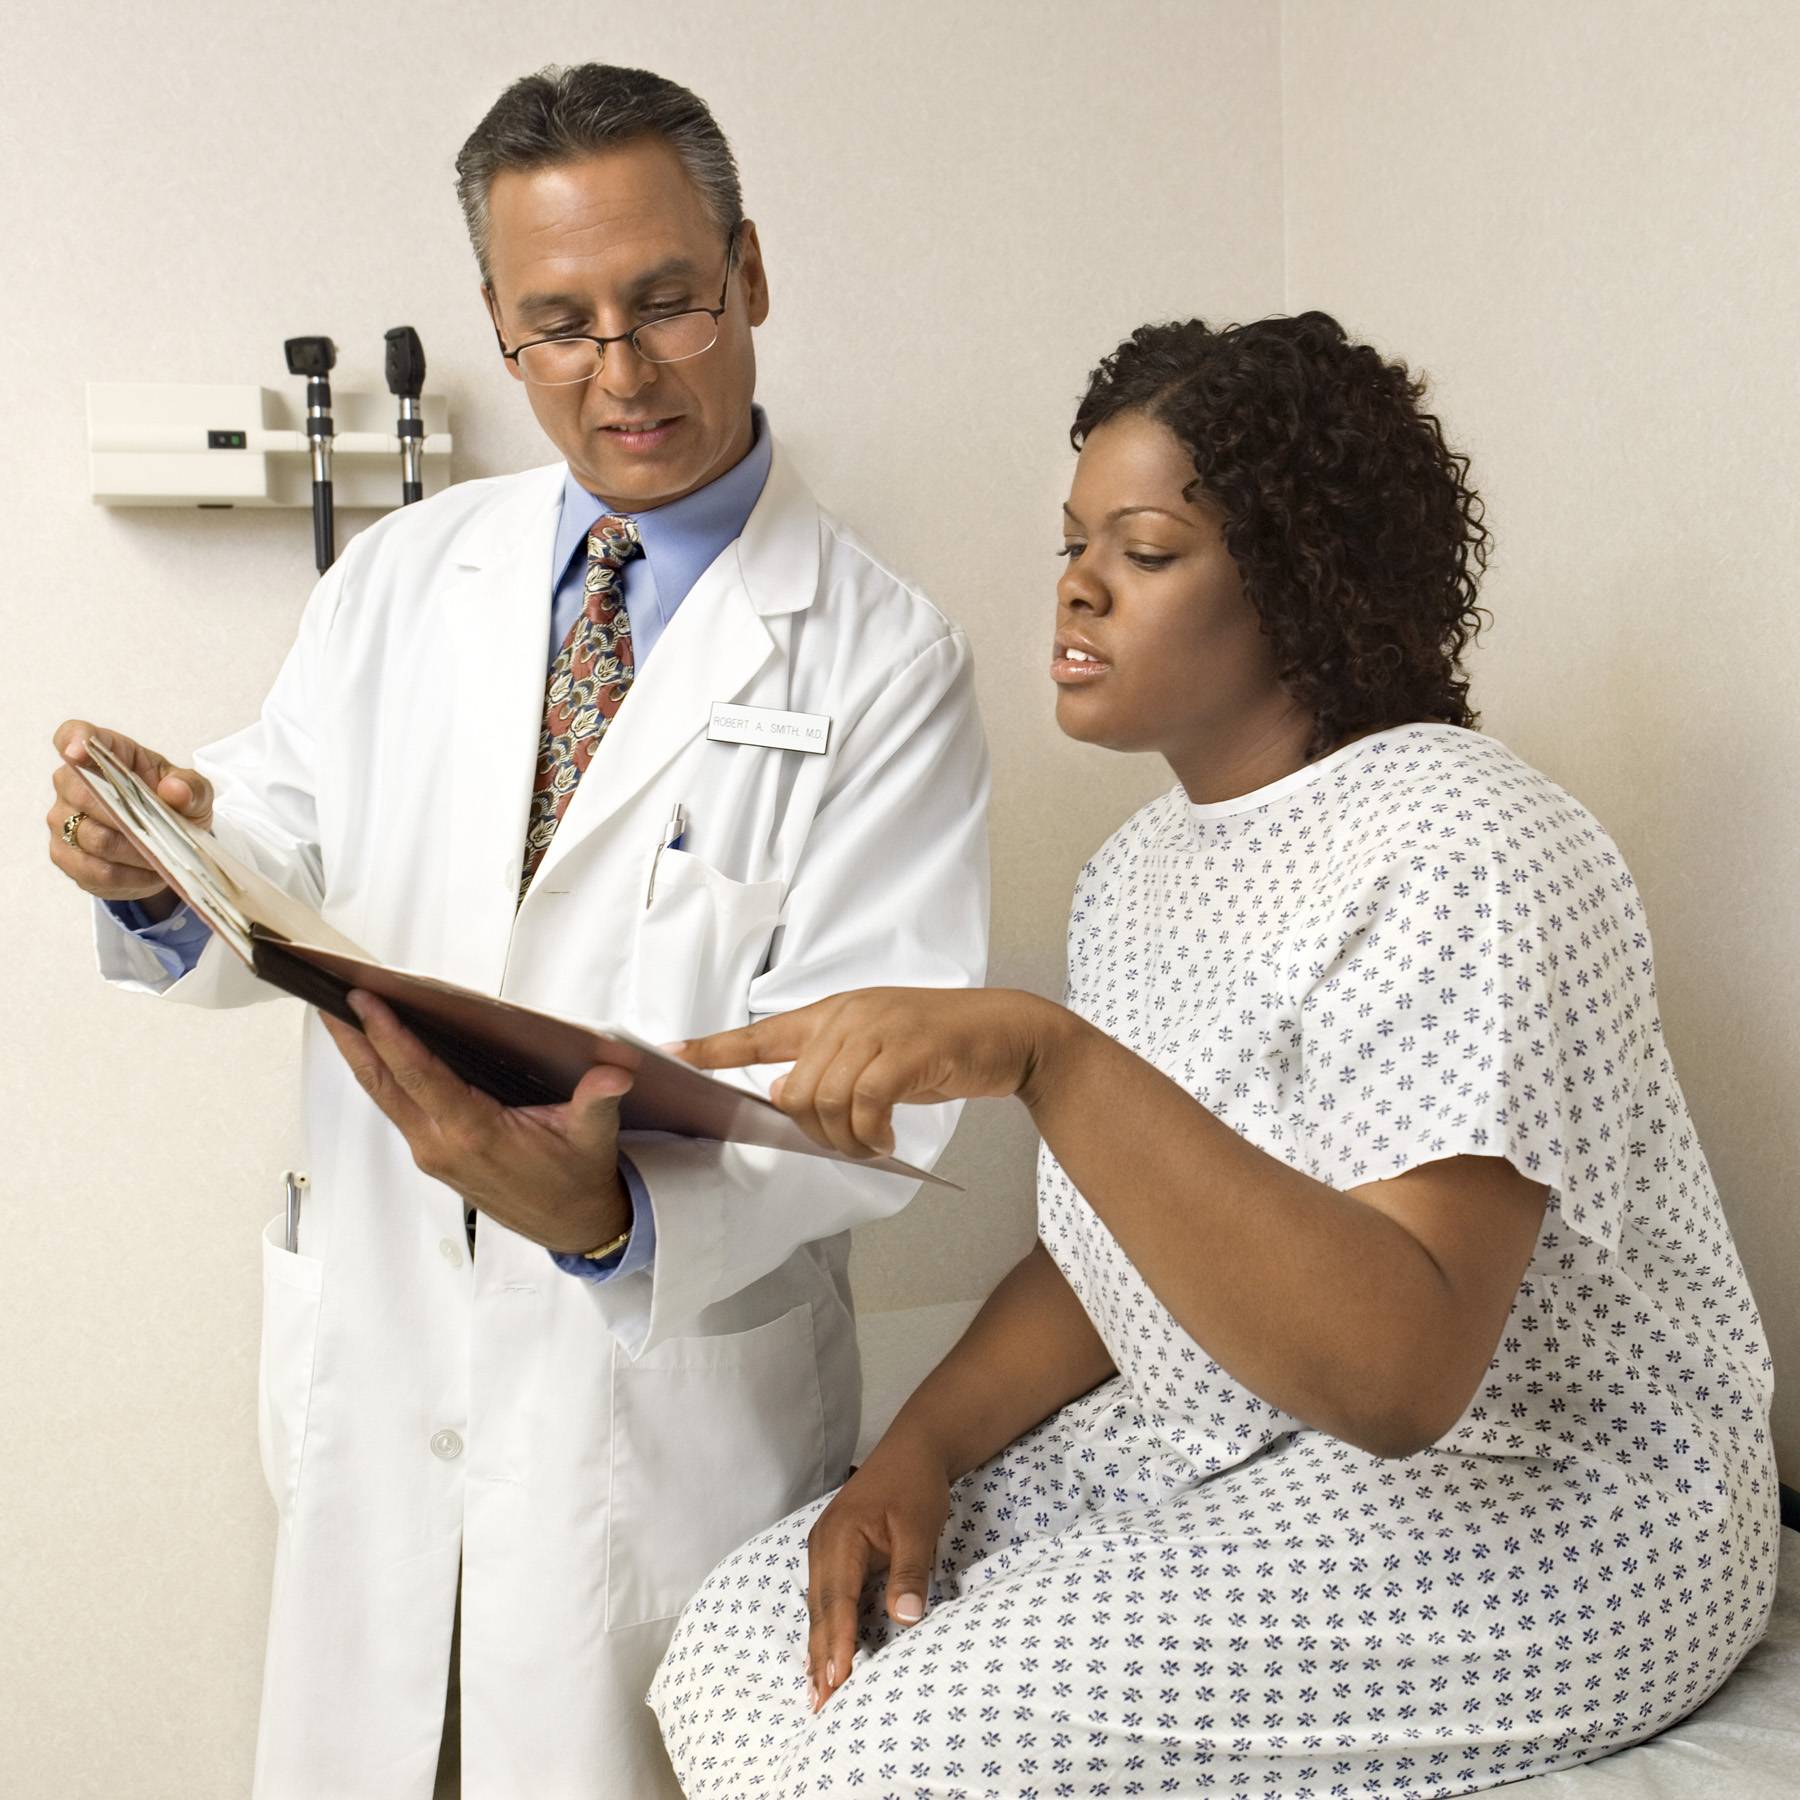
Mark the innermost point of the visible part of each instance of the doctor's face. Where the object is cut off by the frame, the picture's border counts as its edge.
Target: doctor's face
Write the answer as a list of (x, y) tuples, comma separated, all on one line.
[(1157, 647), (599, 246)]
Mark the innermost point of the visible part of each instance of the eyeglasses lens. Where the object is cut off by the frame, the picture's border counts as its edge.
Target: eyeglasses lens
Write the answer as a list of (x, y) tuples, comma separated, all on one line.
[(561, 362)]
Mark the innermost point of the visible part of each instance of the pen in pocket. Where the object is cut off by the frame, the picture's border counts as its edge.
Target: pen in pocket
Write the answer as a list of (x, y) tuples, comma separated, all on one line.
[(296, 1185), (669, 839)]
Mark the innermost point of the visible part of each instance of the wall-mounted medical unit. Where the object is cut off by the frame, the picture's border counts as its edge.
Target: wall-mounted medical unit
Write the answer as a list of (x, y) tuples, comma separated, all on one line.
[(162, 443)]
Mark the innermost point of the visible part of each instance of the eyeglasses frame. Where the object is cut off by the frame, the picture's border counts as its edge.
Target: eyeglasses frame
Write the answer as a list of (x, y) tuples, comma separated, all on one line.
[(715, 313)]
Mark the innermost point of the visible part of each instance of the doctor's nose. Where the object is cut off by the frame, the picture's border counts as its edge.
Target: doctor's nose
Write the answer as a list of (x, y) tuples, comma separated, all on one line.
[(622, 372)]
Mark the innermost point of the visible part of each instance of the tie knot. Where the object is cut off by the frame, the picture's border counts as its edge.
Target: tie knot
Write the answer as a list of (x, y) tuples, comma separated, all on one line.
[(613, 541)]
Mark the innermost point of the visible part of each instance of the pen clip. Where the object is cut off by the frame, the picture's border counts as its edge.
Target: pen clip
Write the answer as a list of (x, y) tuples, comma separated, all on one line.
[(296, 1185), (669, 839)]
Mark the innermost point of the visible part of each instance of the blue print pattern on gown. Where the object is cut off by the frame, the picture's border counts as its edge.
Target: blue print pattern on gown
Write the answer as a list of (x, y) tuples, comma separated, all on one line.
[(1415, 948)]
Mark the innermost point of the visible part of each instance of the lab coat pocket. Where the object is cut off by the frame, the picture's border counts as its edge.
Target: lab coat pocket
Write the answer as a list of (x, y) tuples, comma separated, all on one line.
[(290, 1330), (702, 939), (714, 1438)]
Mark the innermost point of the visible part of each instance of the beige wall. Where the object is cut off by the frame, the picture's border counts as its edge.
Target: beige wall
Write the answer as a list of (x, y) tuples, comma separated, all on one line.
[(958, 219), (1584, 222)]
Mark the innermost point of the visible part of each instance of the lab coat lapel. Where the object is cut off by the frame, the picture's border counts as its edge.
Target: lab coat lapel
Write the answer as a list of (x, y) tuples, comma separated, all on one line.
[(714, 647), (498, 614)]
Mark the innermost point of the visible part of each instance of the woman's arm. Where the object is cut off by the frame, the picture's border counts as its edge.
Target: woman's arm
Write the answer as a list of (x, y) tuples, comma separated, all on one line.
[(1370, 1314), (1030, 1350)]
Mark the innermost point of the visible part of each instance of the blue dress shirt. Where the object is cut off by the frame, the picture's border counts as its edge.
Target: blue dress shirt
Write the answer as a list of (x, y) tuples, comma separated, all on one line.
[(681, 541)]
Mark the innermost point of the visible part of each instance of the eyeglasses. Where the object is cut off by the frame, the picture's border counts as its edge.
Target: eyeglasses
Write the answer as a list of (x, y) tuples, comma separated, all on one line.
[(564, 361)]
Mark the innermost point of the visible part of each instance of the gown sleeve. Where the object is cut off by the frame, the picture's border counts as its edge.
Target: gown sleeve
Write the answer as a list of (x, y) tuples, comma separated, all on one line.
[(1491, 999)]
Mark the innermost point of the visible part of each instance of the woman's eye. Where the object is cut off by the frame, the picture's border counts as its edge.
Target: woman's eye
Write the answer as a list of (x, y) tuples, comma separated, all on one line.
[(1071, 551), (1146, 560)]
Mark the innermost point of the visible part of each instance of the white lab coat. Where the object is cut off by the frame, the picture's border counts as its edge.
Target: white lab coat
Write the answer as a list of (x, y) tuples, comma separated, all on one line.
[(586, 1452)]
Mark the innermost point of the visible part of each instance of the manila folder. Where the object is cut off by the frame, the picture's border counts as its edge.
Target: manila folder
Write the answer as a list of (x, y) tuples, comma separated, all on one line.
[(519, 1055)]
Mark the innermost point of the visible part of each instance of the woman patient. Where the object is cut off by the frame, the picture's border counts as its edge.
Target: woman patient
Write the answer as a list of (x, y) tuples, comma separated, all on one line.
[(1383, 1408)]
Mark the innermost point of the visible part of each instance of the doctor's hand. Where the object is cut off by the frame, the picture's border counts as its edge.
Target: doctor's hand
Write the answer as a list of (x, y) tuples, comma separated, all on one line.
[(101, 860), (857, 1056), (550, 1173)]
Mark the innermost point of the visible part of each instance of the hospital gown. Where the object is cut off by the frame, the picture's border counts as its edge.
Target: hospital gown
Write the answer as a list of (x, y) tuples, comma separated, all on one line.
[(1415, 948)]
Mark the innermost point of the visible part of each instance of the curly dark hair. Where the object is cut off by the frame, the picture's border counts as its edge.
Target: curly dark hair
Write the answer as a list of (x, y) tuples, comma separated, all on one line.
[(1351, 521)]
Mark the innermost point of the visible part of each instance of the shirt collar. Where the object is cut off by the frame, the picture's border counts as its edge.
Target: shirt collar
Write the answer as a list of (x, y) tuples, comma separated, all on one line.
[(681, 539)]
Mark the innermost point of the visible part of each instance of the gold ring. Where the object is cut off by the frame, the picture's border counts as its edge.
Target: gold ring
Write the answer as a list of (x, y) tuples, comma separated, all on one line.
[(71, 825)]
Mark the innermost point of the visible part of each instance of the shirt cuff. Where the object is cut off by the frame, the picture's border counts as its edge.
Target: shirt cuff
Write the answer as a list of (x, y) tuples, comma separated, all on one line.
[(176, 942), (640, 1249)]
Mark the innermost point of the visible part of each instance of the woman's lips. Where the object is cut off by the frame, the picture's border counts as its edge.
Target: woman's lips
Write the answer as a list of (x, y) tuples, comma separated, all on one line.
[(1071, 667)]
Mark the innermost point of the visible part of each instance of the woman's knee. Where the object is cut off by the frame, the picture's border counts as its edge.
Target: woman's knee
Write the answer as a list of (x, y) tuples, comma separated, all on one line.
[(752, 1597)]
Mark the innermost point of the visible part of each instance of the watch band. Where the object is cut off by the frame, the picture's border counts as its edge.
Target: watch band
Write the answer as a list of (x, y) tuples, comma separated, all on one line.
[(609, 1249)]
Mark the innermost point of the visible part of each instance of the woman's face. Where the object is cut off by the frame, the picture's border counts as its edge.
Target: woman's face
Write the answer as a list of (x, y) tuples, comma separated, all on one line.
[(1157, 647)]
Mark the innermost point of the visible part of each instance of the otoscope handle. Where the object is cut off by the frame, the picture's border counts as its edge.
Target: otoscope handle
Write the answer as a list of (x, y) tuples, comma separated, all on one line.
[(324, 534), (411, 431), (406, 382)]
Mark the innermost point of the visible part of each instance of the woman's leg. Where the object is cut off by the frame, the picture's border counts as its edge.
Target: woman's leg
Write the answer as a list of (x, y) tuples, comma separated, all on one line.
[(731, 1693), (1313, 1621)]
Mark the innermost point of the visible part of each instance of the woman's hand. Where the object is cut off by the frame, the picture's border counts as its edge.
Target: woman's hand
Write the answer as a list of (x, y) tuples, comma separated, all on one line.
[(857, 1056), (888, 1515)]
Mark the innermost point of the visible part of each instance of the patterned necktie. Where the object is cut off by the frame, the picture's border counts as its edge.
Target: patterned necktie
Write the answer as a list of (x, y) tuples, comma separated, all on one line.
[(588, 684)]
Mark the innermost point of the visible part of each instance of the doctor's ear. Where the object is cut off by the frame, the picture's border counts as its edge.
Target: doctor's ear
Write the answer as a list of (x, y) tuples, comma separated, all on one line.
[(755, 276)]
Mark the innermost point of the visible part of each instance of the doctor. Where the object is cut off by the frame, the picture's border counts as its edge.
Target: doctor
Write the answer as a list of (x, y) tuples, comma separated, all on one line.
[(537, 735)]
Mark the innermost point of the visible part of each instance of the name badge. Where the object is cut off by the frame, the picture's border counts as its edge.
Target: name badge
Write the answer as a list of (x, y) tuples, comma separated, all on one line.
[(773, 730)]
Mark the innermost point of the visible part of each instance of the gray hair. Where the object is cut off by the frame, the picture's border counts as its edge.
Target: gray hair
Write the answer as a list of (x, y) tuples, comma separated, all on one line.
[(559, 115)]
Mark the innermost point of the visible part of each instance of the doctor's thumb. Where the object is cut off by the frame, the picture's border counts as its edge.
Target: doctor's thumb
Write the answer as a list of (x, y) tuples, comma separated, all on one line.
[(593, 1119), (600, 1085), (187, 791)]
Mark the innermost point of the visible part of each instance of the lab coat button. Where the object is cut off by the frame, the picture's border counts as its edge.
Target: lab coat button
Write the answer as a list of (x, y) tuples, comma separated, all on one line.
[(451, 1251), (446, 1446)]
